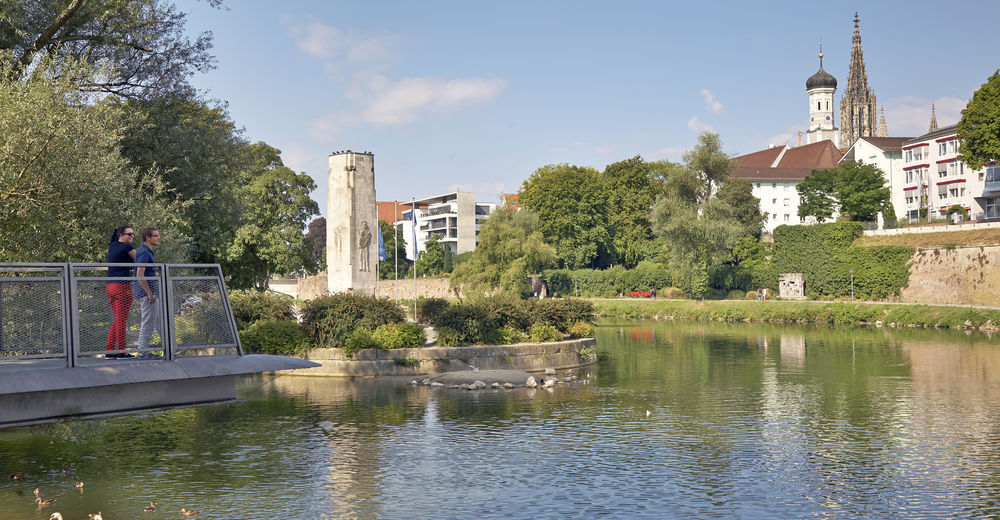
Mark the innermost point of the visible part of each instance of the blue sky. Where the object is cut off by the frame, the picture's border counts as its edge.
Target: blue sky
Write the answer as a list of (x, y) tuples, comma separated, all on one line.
[(475, 96)]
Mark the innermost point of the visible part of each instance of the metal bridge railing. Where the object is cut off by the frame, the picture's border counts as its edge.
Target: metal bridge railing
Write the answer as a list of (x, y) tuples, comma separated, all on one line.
[(51, 311)]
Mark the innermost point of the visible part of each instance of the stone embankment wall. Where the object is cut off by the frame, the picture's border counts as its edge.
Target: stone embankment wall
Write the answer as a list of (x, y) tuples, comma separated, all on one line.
[(530, 357), (312, 286), (963, 275)]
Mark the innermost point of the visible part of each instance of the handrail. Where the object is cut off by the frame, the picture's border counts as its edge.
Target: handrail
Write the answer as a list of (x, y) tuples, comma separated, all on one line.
[(194, 313)]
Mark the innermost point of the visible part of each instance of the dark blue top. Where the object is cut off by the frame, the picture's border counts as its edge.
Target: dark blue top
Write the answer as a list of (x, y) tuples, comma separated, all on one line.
[(144, 255), (118, 254)]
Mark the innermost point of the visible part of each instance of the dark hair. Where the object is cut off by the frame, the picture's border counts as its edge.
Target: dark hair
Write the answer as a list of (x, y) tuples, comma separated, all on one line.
[(118, 233), (147, 232)]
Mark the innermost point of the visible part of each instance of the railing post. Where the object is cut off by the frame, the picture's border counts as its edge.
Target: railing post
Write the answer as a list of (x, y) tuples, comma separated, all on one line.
[(167, 304), (229, 310), (70, 318)]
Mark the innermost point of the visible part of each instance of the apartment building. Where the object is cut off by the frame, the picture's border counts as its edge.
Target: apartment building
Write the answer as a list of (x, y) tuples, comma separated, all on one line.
[(935, 179), (454, 218)]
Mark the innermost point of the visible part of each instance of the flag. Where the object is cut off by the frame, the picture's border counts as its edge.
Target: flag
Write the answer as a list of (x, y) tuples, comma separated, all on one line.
[(381, 246), (413, 224)]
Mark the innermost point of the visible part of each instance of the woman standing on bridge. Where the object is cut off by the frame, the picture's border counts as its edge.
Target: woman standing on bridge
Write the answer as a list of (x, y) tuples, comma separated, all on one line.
[(120, 251)]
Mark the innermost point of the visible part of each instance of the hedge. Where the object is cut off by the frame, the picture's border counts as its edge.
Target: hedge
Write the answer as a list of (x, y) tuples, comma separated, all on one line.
[(279, 337), (252, 306), (331, 320)]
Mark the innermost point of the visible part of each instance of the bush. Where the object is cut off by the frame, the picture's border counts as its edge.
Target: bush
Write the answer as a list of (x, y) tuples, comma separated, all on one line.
[(331, 320), (399, 335), (280, 337), (251, 306), (428, 309), (469, 322), (751, 295), (360, 339), (506, 311), (542, 333), (737, 295), (560, 313), (673, 293), (509, 335), (448, 337), (581, 329)]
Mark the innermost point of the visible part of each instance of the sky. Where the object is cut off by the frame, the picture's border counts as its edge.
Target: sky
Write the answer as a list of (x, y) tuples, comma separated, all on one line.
[(475, 96)]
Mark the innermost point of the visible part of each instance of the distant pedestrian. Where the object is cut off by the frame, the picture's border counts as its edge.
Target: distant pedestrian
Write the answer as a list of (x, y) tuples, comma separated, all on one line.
[(653, 293), (147, 291), (120, 251), (759, 295), (763, 295)]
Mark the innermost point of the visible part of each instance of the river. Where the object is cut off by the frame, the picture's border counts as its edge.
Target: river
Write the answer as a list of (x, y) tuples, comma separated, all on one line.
[(676, 420)]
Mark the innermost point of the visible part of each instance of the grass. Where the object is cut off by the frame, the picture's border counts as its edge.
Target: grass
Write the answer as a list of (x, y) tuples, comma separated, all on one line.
[(837, 313), (952, 239)]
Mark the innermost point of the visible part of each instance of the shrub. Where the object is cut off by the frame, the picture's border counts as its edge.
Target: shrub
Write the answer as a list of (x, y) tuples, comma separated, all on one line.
[(448, 337), (542, 333), (560, 313), (509, 335), (399, 335), (751, 295), (331, 320), (673, 293), (581, 329), (506, 311), (737, 295), (471, 323), (251, 306), (281, 337), (360, 339), (428, 309)]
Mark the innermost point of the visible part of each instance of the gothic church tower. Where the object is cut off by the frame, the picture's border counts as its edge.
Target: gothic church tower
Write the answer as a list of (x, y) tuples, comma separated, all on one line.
[(821, 87), (857, 107)]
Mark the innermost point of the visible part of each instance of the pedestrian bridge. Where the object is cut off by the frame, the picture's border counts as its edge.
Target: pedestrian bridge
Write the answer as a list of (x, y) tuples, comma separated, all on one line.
[(54, 326)]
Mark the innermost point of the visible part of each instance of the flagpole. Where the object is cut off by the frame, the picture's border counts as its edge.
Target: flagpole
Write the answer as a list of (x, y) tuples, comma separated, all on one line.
[(413, 219), (378, 229), (395, 250)]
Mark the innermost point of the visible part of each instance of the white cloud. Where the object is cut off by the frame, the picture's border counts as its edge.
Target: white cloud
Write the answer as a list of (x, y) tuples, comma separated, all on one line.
[(315, 39), (711, 103), (911, 116), (697, 126), (401, 102)]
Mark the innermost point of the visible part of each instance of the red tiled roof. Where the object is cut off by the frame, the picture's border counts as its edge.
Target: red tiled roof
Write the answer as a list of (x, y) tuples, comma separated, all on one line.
[(822, 155), (888, 144), (386, 213), (762, 159)]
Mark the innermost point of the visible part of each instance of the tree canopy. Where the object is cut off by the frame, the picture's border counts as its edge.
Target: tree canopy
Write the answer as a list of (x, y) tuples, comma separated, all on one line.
[(571, 204), (856, 190), (630, 194), (979, 128)]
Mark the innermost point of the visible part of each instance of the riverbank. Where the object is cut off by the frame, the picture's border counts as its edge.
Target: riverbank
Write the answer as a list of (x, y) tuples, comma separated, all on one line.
[(837, 313)]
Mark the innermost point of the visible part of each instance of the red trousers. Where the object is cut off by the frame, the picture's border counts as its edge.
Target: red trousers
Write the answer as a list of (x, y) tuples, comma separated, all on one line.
[(120, 296)]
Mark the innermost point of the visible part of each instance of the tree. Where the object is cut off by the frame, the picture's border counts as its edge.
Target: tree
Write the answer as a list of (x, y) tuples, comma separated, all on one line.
[(63, 185), (276, 207), (435, 259), (571, 206), (856, 190), (737, 196), (510, 248), (817, 195), (699, 228), (979, 128), (317, 234), (630, 194), (387, 269), (142, 43)]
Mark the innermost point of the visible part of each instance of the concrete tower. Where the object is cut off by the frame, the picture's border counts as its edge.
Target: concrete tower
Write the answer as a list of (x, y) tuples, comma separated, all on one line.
[(821, 87), (858, 117), (351, 224)]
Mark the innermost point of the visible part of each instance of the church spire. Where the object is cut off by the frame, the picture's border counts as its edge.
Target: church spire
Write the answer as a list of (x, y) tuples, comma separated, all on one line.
[(882, 131), (857, 107), (934, 125)]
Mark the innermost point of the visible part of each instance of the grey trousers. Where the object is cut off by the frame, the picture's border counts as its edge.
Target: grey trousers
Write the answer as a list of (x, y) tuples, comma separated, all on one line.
[(150, 320)]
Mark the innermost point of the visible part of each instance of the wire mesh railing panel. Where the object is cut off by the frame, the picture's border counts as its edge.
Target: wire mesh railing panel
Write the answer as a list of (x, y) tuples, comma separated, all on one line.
[(31, 315), (99, 305), (200, 317)]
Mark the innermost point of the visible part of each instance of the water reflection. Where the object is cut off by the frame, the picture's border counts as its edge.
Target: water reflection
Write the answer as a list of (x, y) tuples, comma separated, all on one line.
[(744, 420)]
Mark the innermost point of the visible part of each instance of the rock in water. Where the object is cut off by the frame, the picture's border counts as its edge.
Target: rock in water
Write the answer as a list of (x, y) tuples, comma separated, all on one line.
[(550, 371), (549, 383), (531, 383)]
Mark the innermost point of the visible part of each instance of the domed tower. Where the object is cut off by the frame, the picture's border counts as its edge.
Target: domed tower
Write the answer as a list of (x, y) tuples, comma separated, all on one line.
[(821, 87)]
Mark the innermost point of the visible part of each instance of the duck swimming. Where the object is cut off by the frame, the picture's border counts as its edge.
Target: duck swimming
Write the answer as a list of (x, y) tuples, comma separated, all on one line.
[(55, 516), (79, 484), (150, 508), (189, 512), (46, 502)]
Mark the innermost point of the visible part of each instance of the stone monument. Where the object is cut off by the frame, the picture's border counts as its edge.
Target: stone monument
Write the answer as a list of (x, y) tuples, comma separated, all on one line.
[(792, 286), (351, 224)]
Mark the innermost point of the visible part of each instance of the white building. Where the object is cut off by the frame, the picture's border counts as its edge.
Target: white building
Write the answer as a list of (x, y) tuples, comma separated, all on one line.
[(455, 218), (775, 172), (885, 153), (935, 179)]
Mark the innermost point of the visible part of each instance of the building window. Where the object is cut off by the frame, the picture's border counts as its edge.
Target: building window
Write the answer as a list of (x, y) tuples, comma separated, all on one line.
[(828, 105), (909, 155), (942, 173), (786, 202), (786, 217), (774, 185), (992, 207), (774, 217), (758, 184), (774, 201), (942, 148), (953, 145), (819, 106)]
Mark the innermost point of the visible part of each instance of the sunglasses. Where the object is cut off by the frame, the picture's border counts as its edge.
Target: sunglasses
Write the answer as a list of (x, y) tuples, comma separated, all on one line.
[(130, 234)]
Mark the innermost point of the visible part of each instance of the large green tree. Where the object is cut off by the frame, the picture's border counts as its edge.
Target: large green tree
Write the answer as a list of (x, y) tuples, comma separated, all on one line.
[(275, 207), (856, 190), (510, 248), (435, 259), (63, 185), (979, 128), (571, 203), (141, 44), (737, 197), (699, 228), (630, 194)]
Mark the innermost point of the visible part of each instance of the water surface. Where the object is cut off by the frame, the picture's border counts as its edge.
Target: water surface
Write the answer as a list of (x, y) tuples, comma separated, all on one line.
[(679, 420)]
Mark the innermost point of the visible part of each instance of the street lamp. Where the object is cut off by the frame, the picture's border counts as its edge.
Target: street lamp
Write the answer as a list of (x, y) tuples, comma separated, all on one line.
[(852, 285)]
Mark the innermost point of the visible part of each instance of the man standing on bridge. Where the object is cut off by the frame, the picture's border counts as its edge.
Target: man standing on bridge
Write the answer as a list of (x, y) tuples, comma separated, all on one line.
[(146, 291)]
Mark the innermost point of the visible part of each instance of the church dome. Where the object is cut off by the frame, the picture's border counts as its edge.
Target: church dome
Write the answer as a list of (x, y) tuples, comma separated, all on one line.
[(822, 78)]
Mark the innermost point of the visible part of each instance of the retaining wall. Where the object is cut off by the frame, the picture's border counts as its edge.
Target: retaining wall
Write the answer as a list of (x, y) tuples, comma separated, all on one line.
[(529, 357), (963, 275)]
